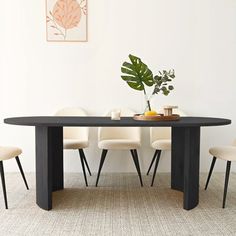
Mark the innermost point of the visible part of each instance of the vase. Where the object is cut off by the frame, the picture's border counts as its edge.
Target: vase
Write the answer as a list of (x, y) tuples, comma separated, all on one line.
[(147, 104)]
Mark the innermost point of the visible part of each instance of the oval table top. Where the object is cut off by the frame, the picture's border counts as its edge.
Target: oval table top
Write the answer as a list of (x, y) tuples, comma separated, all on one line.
[(96, 121)]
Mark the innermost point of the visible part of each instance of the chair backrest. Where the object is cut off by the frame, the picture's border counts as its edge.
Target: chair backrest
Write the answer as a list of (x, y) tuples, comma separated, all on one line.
[(157, 133), (133, 133), (80, 133)]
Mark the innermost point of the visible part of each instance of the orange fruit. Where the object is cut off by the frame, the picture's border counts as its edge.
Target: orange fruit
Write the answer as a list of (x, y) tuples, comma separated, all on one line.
[(150, 113)]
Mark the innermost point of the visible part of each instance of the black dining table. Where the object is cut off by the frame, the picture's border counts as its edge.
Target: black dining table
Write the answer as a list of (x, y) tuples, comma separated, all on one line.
[(185, 150)]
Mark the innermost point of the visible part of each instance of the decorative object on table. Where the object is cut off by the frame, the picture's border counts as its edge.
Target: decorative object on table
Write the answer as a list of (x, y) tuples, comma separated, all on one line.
[(168, 110), (66, 20), (159, 117), (138, 76), (154, 116), (115, 115)]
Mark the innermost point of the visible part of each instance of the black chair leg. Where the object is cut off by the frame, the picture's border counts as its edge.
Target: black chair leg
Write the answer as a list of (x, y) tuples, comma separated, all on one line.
[(134, 154), (21, 171), (156, 165), (226, 182), (153, 159), (210, 171), (85, 161), (83, 167), (3, 184), (103, 156)]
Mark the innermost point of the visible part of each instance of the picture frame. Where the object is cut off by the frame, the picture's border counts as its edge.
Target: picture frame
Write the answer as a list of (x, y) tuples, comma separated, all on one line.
[(66, 20)]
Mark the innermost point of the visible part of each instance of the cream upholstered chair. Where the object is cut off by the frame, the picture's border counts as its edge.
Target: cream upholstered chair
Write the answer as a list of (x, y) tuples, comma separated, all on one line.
[(5, 154), (120, 138), (160, 139), (227, 153), (76, 138)]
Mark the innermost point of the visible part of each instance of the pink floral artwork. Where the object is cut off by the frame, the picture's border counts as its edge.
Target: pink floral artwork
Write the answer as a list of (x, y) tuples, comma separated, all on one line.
[(66, 20)]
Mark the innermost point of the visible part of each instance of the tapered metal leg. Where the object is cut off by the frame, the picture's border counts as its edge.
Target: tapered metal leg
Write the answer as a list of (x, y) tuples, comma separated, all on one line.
[(153, 159), (83, 167), (103, 156), (210, 172), (21, 171), (134, 154), (226, 181), (3, 184), (85, 161), (156, 165)]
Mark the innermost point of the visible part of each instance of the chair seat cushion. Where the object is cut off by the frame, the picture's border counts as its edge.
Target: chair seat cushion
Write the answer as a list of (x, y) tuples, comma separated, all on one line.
[(125, 144), (9, 152), (162, 144), (224, 152), (75, 143)]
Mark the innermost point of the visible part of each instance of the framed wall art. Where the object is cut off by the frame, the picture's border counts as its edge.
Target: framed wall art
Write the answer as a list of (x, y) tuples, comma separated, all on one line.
[(67, 20)]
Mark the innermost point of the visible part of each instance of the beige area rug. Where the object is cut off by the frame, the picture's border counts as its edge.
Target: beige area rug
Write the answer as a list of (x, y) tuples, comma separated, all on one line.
[(119, 206)]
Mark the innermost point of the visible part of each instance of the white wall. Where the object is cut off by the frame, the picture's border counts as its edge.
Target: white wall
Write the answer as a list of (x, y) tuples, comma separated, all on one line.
[(197, 38)]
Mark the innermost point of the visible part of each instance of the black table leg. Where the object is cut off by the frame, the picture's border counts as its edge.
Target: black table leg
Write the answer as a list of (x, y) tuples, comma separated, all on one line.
[(185, 164), (177, 158), (57, 157), (49, 164)]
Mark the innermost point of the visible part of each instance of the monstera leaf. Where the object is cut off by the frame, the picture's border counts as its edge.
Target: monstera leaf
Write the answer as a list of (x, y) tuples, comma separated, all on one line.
[(137, 74), (67, 13)]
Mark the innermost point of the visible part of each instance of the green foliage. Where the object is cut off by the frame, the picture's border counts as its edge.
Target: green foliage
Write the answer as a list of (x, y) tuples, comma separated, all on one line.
[(161, 82), (137, 74)]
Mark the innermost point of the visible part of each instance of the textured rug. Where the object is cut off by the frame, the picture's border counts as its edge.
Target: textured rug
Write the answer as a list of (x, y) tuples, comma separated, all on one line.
[(119, 206)]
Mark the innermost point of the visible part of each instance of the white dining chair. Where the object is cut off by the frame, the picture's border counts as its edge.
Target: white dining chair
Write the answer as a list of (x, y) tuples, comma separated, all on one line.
[(226, 153), (7, 153), (76, 138), (160, 140), (120, 138)]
